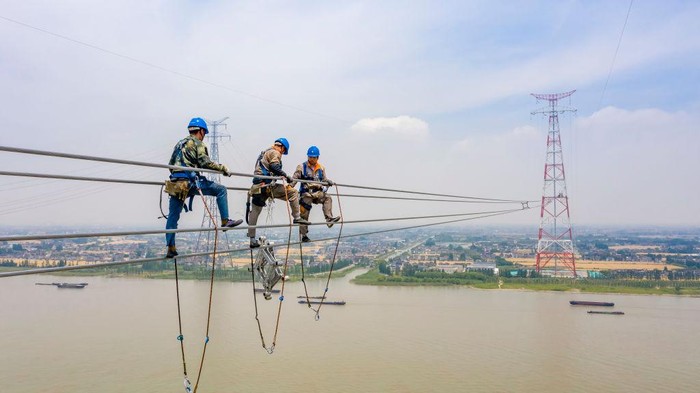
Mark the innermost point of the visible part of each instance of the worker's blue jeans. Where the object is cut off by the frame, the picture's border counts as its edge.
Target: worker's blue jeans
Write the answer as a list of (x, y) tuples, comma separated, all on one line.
[(208, 188)]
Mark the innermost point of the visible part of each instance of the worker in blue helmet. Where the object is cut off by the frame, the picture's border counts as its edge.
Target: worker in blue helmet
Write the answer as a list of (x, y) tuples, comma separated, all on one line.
[(185, 183), (269, 164), (313, 193)]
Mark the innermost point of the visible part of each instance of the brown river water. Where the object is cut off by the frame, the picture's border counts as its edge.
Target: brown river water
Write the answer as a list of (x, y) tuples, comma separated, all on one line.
[(119, 335)]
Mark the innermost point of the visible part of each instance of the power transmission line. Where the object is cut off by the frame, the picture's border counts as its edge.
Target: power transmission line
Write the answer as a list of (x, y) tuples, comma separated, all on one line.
[(156, 259), (238, 228), (164, 166)]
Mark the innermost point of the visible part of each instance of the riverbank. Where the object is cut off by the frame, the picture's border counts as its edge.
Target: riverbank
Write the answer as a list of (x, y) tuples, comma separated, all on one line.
[(640, 287), (237, 274), (373, 277)]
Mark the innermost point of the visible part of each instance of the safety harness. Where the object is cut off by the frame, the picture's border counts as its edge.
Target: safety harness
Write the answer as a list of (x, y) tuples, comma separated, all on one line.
[(181, 182), (260, 192), (315, 175), (305, 176)]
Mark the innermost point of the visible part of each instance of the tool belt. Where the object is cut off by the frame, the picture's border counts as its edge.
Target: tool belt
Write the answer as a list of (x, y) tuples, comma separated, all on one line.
[(318, 196), (179, 189), (260, 193)]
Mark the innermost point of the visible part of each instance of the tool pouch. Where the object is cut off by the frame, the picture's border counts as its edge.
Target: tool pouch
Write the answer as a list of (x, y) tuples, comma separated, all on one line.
[(256, 189), (177, 189)]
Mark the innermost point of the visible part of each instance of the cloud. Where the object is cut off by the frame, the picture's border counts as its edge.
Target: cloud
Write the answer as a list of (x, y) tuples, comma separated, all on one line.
[(402, 126), (448, 63), (635, 166)]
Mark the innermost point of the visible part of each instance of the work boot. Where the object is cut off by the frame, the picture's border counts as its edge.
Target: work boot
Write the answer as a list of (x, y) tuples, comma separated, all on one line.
[(332, 220), (229, 223), (301, 221), (172, 252), (305, 239), (254, 243)]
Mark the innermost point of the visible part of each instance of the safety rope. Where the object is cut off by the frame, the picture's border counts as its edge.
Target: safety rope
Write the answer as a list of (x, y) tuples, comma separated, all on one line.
[(271, 348), (271, 201), (330, 271), (180, 337), (160, 203), (335, 253), (211, 290)]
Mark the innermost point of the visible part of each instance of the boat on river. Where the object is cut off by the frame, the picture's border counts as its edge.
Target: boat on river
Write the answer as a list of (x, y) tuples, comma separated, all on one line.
[(607, 312), (71, 285), (589, 303), (80, 285)]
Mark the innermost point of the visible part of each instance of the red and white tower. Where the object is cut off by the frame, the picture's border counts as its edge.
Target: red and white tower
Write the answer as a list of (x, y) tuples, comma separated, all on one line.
[(555, 245)]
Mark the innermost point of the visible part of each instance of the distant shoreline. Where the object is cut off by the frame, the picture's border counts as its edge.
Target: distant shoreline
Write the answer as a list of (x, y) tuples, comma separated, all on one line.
[(633, 287), (373, 277)]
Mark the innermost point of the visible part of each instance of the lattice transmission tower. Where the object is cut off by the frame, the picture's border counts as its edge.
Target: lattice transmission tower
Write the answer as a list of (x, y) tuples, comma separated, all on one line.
[(205, 240), (555, 244)]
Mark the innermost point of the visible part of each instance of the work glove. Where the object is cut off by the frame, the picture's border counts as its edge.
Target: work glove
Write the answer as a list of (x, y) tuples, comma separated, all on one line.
[(225, 171), (330, 183), (289, 179)]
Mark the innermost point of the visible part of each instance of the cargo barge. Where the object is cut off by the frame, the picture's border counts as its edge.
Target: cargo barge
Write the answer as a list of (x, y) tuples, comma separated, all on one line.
[(589, 303), (66, 285), (607, 312)]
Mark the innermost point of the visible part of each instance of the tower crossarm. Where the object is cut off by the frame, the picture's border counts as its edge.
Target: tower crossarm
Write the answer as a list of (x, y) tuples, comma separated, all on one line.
[(552, 97)]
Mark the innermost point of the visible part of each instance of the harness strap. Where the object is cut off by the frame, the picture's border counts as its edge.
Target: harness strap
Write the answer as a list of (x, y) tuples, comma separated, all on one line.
[(306, 206), (263, 169), (305, 176), (303, 188)]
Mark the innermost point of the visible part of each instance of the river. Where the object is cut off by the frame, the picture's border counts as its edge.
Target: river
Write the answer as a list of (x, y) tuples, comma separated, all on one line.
[(119, 335)]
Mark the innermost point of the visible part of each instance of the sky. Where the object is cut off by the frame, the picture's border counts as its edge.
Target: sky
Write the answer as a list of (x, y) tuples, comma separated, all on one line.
[(428, 96)]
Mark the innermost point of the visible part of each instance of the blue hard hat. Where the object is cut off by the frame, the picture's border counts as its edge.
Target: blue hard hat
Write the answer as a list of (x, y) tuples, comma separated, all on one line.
[(283, 142), (199, 122), (313, 152)]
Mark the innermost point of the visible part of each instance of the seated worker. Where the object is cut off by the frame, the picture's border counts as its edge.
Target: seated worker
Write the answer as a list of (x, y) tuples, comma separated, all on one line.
[(269, 163), (311, 193), (191, 152)]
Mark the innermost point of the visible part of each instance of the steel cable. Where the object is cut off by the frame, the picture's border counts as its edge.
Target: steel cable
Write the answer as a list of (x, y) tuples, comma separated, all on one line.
[(164, 231), (174, 167), (155, 183), (193, 255)]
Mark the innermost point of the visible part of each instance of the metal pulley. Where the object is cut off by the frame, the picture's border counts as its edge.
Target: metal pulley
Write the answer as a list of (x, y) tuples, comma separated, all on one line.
[(267, 268)]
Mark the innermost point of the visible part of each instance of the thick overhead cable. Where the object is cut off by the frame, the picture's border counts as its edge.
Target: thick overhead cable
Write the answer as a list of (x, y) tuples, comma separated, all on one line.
[(79, 178), (154, 183), (164, 231), (153, 165), (94, 179), (126, 162), (429, 193), (429, 199), (147, 260)]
